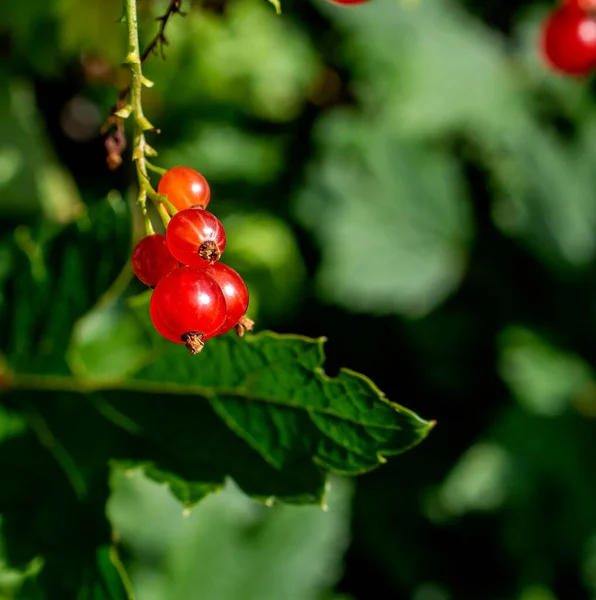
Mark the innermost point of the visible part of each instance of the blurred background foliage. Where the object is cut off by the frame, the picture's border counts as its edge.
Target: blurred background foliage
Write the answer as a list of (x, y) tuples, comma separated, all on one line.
[(404, 178)]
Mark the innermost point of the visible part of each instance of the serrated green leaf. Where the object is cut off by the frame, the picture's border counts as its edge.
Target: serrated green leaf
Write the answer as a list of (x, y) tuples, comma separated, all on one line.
[(189, 494), (271, 390), (192, 451), (263, 412)]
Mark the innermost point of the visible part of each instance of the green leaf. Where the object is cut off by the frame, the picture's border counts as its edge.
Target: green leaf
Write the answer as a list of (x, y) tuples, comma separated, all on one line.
[(271, 391), (503, 126), (91, 27), (260, 410), (68, 530), (543, 378), (367, 198), (51, 277), (33, 27), (192, 450), (271, 79), (181, 551)]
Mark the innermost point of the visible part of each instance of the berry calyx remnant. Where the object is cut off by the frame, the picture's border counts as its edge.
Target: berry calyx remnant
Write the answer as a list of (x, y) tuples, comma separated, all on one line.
[(569, 39), (187, 307), (151, 259), (236, 296), (185, 188), (244, 324), (196, 237)]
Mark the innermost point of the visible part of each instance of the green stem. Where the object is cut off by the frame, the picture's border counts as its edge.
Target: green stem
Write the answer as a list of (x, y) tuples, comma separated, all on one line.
[(47, 439), (140, 124), (155, 168), (119, 566), (142, 201)]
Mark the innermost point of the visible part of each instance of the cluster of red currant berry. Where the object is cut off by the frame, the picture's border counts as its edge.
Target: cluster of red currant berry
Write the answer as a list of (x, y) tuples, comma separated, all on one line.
[(195, 296), (569, 37)]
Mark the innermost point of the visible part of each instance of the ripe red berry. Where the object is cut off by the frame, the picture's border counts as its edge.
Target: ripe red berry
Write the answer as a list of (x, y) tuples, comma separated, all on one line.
[(151, 259), (236, 295), (196, 237), (585, 5), (569, 40), (184, 188), (188, 306)]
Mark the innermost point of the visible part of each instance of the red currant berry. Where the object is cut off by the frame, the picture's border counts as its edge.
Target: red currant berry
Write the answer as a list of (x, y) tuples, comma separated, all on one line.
[(184, 188), (585, 5), (196, 237), (151, 259), (236, 295), (188, 306), (569, 41)]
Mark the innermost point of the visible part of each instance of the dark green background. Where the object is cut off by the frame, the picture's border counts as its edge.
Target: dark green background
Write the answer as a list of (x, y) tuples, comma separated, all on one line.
[(405, 178)]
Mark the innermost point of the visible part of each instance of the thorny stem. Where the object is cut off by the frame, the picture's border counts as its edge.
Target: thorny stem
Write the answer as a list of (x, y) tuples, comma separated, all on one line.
[(140, 124), (160, 39)]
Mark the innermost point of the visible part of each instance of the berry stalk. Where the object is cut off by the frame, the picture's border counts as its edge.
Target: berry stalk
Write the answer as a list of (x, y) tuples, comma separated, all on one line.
[(141, 149)]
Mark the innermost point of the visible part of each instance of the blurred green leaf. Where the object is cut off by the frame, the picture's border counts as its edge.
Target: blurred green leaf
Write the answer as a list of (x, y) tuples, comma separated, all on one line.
[(225, 152), (264, 249), (64, 272), (33, 28), (552, 461), (413, 96), (58, 561), (92, 28), (544, 379), (391, 218), (229, 547), (268, 75), (108, 343), (31, 181), (477, 482)]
